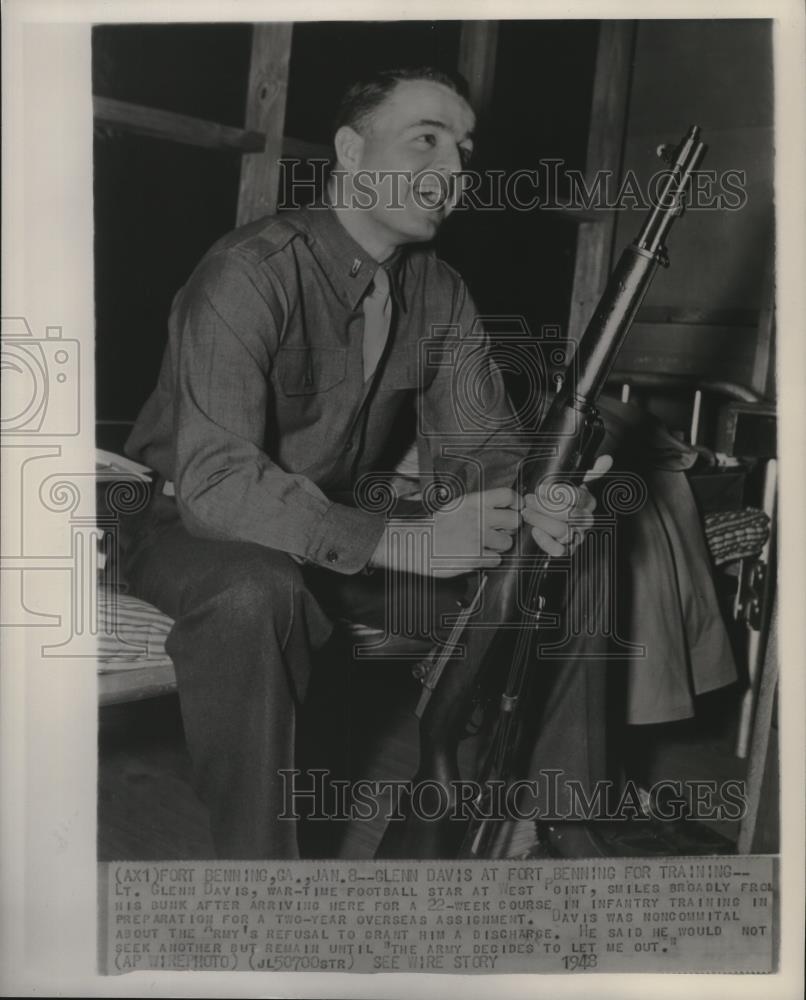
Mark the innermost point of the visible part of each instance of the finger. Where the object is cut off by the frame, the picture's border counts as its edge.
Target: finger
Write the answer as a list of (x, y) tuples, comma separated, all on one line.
[(583, 502), (586, 501), (498, 541), (557, 527), (555, 499), (580, 500), (503, 518), (603, 464), (549, 525), (560, 531), (548, 544), (501, 496)]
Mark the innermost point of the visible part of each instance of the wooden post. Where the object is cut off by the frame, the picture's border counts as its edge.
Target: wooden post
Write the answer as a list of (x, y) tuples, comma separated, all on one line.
[(478, 43), (763, 377), (761, 748), (608, 120), (265, 112)]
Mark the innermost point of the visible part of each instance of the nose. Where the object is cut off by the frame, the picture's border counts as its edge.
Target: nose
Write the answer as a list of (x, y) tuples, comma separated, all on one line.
[(449, 160), (448, 165)]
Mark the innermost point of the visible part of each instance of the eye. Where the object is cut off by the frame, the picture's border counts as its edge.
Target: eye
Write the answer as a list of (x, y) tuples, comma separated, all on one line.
[(427, 139)]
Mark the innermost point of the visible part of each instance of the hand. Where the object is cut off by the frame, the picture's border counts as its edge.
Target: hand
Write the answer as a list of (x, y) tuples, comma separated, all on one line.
[(557, 532), (471, 535)]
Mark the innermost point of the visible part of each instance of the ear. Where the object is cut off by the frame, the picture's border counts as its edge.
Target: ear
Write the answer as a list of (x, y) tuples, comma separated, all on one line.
[(349, 146)]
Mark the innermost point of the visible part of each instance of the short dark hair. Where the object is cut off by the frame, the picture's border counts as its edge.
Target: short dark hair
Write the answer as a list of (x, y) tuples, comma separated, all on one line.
[(363, 97)]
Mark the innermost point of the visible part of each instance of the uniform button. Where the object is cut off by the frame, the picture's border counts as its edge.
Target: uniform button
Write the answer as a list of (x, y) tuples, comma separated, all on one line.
[(332, 556)]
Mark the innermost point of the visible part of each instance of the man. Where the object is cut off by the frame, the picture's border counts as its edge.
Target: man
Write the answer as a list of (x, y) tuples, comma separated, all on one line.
[(292, 367)]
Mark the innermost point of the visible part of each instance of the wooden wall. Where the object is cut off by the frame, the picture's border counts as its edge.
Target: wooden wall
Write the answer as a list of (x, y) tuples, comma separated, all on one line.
[(708, 314)]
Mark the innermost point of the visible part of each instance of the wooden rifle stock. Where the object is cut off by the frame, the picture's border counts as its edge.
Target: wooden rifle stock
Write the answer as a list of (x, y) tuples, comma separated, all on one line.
[(512, 592)]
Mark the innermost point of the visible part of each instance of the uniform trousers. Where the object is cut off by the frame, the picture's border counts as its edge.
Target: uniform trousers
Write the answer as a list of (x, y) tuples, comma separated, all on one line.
[(248, 621)]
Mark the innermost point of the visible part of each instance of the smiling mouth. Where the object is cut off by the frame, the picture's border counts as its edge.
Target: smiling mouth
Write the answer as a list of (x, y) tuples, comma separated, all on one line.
[(432, 197)]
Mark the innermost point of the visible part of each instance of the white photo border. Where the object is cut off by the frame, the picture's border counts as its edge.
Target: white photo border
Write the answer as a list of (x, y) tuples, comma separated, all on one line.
[(48, 705)]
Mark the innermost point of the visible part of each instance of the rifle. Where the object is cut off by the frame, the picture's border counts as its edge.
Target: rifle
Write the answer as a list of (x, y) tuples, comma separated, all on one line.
[(453, 675)]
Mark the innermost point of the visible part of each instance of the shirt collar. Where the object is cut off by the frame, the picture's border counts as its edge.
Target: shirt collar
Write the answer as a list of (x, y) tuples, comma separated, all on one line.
[(349, 267)]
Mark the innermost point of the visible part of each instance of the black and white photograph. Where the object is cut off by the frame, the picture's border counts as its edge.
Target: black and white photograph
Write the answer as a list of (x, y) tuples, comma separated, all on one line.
[(412, 511), (287, 411)]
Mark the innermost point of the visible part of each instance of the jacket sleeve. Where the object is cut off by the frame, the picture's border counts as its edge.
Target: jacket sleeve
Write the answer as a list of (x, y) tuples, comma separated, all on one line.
[(228, 324)]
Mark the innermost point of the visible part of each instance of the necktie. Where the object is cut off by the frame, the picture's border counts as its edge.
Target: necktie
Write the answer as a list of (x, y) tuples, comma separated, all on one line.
[(377, 320)]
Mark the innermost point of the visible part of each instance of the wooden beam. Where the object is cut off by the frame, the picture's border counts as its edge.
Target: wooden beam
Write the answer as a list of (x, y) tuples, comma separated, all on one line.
[(608, 119), (478, 45), (698, 317), (763, 377), (265, 112), (159, 124), (762, 747), (301, 149)]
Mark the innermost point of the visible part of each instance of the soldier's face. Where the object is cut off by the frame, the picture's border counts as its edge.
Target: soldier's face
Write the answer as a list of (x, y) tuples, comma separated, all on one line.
[(408, 159)]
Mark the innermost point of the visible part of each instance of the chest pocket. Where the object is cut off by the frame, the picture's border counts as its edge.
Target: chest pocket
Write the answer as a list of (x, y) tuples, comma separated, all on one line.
[(305, 371)]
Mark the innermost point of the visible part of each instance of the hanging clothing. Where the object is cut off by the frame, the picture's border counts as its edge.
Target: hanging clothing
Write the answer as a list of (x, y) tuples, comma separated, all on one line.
[(667, 601)]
